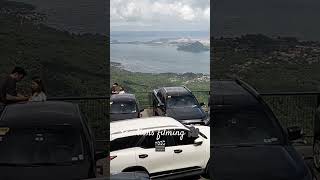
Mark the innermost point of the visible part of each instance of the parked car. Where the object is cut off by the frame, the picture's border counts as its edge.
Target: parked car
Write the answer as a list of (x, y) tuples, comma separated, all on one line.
[(159, 146), (46, 140), (124, 106), (178, 103), (316, 140), (207, 119), (249, 142)]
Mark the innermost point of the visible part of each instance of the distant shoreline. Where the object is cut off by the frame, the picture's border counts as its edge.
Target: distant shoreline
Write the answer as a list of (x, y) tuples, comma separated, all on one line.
[(119, 66)]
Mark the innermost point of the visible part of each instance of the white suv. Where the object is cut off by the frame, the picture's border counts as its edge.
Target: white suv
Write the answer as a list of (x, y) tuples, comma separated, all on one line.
[(160, 146)]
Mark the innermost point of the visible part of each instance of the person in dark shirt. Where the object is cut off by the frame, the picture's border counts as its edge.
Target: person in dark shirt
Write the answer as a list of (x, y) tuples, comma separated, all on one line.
[(8, 87)]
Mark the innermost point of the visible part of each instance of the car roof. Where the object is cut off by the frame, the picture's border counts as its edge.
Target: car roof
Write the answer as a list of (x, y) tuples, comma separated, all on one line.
[(123, 97), (176, 91), (230, 93), (41, 114), (130, 127)]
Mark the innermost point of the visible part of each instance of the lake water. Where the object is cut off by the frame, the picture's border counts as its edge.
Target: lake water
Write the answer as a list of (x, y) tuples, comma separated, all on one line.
[(158, 58)]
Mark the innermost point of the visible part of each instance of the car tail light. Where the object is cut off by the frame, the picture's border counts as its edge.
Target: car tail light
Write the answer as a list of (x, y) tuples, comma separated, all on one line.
[(112, 157)]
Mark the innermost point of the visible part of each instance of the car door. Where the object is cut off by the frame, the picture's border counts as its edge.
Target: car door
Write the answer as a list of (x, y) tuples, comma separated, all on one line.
[(187, 155), (157, 162)]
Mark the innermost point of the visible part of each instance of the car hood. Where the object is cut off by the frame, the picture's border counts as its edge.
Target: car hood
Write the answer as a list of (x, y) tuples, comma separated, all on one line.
[(115, 117), (186, 113), (44, 172), (263, 163)]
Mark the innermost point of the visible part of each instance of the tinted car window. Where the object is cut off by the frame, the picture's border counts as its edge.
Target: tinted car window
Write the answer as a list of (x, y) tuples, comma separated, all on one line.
[(181, 101), (150, 140), (41, 145), (124, 143), (248, 125), (123, 107), (181, 137)]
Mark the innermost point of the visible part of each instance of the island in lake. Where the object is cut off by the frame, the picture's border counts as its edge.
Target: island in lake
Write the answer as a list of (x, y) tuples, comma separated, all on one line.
[(195, 47)]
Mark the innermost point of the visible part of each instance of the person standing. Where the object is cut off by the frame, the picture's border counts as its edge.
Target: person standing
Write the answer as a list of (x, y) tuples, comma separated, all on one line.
[(8, 87), (38, 90)]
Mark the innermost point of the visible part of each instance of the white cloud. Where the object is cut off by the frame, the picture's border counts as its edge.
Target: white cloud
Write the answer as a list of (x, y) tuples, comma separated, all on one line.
[(160, 12)]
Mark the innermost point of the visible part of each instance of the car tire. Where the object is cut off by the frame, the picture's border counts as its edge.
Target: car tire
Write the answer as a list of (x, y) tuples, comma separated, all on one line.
[(206, 173), (155, 113), (136, 169), (92, 173), (316, 154)]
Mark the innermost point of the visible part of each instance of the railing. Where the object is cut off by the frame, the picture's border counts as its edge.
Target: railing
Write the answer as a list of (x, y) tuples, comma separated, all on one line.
[(295, 109), (145, 98), (96, 110)]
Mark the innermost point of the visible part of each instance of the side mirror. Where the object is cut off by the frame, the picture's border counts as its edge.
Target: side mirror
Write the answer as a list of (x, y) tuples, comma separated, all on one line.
[(100, 155), (160, 105), (294, 133), (198, 142), (202, 104)]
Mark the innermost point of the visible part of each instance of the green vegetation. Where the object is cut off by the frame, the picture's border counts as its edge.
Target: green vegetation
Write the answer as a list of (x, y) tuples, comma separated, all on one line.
[(142, 83), (70, 64), (270, 64)]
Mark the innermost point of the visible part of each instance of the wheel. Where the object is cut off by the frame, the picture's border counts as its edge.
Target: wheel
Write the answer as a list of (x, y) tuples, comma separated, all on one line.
[(206, 172), (316, 154), (155, 113)]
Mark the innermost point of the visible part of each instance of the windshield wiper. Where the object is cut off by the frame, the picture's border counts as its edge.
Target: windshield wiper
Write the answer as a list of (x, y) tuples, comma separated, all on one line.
[(203, 135)]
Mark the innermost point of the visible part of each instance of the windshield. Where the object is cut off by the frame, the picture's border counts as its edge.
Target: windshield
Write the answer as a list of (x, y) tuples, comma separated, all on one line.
[(245, 126), (181, 101), (32, 146), (123, 107)]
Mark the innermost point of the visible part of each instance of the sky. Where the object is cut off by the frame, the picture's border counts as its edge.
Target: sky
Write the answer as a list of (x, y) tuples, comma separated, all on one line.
[(160, 15)]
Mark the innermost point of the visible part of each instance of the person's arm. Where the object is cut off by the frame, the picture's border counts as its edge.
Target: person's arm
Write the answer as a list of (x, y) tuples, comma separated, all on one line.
[(16, 98)]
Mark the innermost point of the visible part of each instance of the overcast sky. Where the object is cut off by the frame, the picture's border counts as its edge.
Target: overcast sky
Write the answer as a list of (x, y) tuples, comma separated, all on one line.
[(160, 15)]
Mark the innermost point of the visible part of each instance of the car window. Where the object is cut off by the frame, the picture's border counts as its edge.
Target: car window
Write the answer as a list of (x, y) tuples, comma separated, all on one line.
[(124, 143), (182, 137), (41, 145), (151, 138), (123, 107), (181, 101), (247, 125)]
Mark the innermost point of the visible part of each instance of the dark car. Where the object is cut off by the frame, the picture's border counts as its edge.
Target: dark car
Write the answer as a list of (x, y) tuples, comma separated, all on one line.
[(124, 106), (207, 119), (316, 141), (248, 141), (178, 103), (46, 140)]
